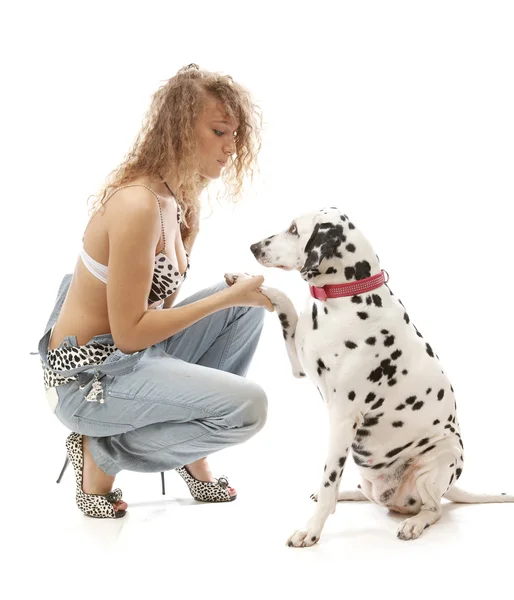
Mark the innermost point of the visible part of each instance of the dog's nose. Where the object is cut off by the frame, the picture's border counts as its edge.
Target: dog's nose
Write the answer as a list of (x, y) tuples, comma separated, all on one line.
[(255, 248)]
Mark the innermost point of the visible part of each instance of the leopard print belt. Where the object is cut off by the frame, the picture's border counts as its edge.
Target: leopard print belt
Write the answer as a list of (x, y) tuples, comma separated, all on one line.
[(71, 357)]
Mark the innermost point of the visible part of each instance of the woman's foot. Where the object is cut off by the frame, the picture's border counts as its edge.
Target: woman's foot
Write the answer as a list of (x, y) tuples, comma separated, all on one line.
[(200, 470), (94, 480)]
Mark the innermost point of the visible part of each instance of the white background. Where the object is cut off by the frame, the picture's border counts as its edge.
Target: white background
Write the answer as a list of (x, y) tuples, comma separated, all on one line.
[(400, 113)]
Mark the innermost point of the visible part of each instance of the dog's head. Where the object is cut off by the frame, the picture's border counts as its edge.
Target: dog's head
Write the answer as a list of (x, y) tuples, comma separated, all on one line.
[(324, 246)]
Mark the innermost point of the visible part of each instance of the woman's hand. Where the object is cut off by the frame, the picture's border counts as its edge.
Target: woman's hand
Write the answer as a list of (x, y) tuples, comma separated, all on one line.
[(245, 290)]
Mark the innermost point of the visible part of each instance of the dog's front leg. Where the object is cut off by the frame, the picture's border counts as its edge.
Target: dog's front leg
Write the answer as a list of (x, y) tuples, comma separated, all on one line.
[(288, 319), (341, 434), (287, 315)]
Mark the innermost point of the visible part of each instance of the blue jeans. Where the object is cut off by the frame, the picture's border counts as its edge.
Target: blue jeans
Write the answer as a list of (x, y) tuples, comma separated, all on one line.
[(186, 397)]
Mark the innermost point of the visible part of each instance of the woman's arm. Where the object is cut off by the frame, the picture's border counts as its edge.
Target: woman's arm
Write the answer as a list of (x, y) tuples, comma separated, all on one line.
[(134, 231)]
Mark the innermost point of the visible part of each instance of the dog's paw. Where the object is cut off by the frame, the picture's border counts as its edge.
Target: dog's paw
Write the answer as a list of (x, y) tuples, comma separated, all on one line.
[(314, 496), (276, 297), (303, 539), (411, 528), (231, 278)]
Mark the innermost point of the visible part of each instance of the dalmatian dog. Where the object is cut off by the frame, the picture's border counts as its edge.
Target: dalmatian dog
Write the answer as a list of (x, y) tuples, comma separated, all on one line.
[(387, 396)]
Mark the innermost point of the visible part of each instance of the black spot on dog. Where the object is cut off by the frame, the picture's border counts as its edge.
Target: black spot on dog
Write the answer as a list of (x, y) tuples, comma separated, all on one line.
[(392, 382), (314, 316), (371, 341), (342, 460), (371, 421), (377, 300), (389, 341), (396, 354), (378, 466), (357, 448), (430, 352), (350, 345), (321, 366), (385, 496), (363, 315), (350, 248), (411, 501), (376, 374), (405, 371), (428, 449), (351, 225), (396, 451), (458, 472), (406, 317), (429, 390), (362, 432), (370, 398), (423, 442), (377, 404), (356, 299), (397, 423), (331, 270), (333, 476), (410, 400), (384, 331), (349, 273), (418, 405), (351, 396), (400, 407), (440, 394), (362, 269), (368, 300), (327, 484)]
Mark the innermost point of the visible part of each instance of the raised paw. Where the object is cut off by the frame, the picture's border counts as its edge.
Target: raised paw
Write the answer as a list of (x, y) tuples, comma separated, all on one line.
[(231, 278), (303, 539), (411, 528)]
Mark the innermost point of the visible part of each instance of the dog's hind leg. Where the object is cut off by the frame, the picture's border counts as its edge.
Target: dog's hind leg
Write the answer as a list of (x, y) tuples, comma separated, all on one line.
[(346, 496), (431, 482), (341, 434)]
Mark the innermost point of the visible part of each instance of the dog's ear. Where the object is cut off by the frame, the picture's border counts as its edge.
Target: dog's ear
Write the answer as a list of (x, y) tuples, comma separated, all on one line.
[(323, 243)]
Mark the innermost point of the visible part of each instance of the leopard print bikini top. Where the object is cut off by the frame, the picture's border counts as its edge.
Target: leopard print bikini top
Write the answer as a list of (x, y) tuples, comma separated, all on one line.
[(166, 277)]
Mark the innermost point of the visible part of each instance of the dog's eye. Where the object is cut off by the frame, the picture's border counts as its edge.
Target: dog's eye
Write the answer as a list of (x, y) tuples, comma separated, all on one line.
[(293, 229)]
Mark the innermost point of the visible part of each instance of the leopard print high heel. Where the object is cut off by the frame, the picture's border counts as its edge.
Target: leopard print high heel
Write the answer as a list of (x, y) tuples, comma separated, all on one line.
[(207, 491), (92, 505)]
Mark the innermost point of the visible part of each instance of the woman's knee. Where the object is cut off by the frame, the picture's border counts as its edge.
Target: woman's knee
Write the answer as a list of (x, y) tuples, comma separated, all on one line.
[(255, 406)]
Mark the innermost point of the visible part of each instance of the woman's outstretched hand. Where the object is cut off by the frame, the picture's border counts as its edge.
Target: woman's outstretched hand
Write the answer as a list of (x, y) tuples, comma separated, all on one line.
[(247, 290)]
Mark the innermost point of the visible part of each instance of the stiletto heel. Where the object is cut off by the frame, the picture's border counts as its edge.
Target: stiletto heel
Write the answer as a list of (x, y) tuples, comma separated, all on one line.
[(66, 463)]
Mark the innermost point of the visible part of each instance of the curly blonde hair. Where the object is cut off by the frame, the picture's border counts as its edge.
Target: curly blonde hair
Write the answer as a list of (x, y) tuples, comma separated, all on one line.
[(167, 137)]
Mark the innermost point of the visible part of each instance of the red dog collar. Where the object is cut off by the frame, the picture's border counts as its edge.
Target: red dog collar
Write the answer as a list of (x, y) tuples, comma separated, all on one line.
[(349, 289)]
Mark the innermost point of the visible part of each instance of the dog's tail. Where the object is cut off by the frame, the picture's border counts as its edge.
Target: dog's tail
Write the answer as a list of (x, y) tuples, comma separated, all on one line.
[(455, 494)]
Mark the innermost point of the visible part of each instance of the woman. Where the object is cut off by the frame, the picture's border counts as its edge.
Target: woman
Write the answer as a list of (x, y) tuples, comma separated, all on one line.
[(142, 384)]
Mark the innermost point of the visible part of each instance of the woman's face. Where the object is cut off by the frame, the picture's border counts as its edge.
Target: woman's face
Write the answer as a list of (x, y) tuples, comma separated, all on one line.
[(215, 134)]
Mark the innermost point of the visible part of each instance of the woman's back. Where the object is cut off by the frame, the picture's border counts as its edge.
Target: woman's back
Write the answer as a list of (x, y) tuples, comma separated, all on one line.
[(131, 219)]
